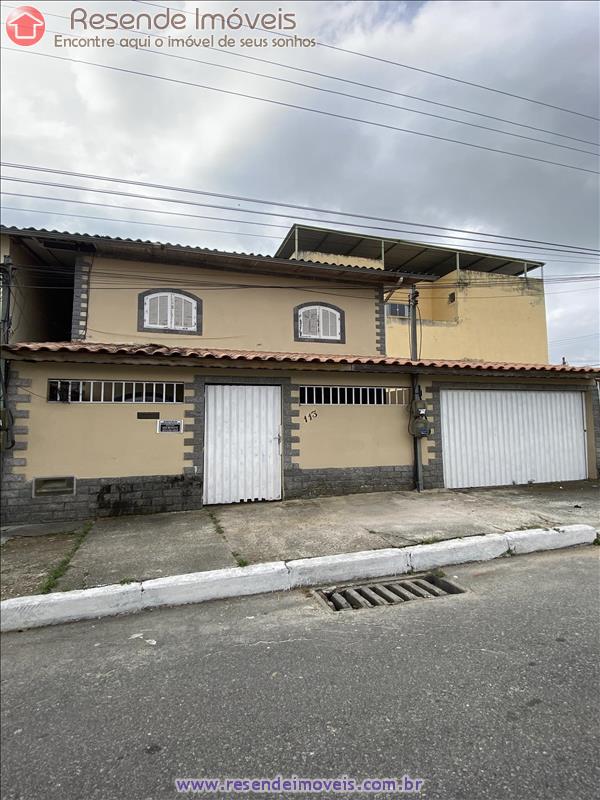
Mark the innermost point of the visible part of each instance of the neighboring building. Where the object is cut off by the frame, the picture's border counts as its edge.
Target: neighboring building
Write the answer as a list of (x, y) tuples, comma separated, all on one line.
[(153, 377)]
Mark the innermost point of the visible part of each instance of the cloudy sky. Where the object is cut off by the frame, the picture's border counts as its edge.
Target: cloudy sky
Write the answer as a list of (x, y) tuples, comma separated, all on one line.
[(82, 118)]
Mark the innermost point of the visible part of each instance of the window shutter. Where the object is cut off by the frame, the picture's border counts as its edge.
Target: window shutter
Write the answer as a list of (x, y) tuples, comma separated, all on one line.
[(177, 311), (163, 310), (189, 314), (330, 324), (309, 322), (170, 310), (151, 310)]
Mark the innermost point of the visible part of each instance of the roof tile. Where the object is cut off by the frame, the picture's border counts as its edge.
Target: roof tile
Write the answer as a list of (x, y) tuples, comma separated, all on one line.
[(167, 351)]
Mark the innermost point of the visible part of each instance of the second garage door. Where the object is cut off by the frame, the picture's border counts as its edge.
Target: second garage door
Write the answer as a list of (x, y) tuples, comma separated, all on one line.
[(498, 438)]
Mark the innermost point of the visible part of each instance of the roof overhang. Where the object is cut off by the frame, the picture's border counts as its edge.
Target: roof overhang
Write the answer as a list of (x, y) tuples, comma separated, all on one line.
[(61, 249), (424, 259), (157, 354)]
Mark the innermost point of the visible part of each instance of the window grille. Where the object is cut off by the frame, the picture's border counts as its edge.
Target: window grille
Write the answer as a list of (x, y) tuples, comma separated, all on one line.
[(354, 395), (89, 391)]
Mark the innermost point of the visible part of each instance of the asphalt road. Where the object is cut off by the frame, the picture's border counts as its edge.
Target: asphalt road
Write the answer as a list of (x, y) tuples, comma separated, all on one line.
[(492, 694)]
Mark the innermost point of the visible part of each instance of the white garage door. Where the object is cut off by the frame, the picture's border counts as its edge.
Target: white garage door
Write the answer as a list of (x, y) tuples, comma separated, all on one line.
[(498, 438), (242, 444)]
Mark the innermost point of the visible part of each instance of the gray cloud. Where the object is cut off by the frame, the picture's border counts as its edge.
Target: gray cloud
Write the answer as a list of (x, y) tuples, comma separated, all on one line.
[(82, 118)]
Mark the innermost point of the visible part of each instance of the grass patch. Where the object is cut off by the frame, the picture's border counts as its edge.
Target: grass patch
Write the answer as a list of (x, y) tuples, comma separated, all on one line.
[(241, 561), (59, 570), (124, 581)]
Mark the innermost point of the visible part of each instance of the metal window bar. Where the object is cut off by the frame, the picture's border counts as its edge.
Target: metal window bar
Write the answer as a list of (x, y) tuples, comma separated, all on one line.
[(90, 391), (354, 395)]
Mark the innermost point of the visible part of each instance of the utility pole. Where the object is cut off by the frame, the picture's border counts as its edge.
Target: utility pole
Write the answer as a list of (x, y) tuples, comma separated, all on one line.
[(413, 300)]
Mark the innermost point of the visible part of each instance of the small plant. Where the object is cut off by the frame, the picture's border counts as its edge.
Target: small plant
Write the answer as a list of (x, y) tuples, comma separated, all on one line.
[(59, 570), (241, 562)]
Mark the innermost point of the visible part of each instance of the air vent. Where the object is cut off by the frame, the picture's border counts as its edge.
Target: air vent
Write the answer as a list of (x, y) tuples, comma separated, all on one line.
[(389, 592), (62, 485)]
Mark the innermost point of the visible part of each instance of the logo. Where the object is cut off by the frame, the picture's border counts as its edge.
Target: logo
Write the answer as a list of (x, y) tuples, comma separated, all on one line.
[(25, 25)]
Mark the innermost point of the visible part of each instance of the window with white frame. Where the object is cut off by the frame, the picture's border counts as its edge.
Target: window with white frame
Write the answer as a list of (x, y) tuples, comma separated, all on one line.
[(170, 311), (321, 322)]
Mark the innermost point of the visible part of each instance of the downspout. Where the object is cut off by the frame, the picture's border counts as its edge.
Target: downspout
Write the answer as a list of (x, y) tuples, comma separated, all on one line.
[(416, 389)]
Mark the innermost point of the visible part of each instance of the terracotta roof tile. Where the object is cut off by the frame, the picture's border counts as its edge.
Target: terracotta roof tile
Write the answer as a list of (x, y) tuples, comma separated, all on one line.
[(167, 351)]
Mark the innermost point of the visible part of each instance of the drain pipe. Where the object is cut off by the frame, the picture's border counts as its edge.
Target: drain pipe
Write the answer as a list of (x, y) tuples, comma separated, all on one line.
[(413, 300)]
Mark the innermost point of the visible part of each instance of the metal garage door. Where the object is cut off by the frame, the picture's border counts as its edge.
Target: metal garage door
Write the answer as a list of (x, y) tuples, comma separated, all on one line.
[(242, 444), (497, 438)]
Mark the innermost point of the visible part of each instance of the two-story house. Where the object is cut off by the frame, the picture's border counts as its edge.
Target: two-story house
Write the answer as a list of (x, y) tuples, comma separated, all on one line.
[(140, 376)]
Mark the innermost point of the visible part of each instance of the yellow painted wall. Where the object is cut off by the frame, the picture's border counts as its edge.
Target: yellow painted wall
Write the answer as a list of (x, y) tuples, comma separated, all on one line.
[(492, 319), (353, 436), (91, 440), (258, 318)]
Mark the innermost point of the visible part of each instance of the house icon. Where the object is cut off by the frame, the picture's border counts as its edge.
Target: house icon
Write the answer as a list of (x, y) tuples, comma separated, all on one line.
[(25, 25)]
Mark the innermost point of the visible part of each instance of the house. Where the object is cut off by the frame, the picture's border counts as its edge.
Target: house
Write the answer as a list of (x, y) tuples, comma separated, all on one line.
[(145, 377)]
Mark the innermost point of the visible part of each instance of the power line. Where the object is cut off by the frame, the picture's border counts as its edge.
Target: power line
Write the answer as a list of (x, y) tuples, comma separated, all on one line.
[(352, 83), (139, 222), (585, 259), (283, 104), (410, 67), (575, 338), (507, 280), (356, 97), (258, 201)]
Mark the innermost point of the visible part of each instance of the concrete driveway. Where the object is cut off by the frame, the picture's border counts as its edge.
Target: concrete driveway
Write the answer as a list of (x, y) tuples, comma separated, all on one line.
[(329, 525)]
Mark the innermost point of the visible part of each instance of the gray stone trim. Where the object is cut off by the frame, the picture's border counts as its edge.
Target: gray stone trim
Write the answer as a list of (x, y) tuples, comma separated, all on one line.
[(103, 497), (433, 472), (340, 311), (300, 483), (81, 295), (380, 342), (199, 313), (13, 457)]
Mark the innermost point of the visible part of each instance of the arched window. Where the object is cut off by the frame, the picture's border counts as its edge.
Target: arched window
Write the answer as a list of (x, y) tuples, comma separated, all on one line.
[(320, 322), (170, 311)]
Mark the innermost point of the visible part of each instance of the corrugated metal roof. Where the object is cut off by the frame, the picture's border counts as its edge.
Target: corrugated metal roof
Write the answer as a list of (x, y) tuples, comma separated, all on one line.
[(424, 258), (165, 351), (160, 249)]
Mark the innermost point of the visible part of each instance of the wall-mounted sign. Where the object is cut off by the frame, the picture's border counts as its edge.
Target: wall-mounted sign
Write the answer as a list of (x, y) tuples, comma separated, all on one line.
[(169, 426)]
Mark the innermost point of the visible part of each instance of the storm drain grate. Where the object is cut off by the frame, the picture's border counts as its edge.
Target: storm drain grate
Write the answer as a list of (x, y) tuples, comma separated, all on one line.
[(387, 592)]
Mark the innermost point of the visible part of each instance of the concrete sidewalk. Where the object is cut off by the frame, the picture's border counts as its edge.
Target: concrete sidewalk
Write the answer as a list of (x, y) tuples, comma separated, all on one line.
[(329, 525), (124, 549)]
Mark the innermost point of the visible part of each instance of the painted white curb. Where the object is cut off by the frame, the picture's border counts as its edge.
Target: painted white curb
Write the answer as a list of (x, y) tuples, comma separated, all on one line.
[(215, 584), (521, 542), (51, 609), (348, 566), (457, 551)]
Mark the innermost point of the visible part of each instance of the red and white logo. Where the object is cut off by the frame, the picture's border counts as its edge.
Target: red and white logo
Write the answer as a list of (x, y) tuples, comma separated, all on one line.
[(25, 25)]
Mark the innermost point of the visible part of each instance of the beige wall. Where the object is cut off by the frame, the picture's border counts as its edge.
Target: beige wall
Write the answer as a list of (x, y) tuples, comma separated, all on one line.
[(259, 318), (107, 440), (353, 436), (496, 321), (91, 440)]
